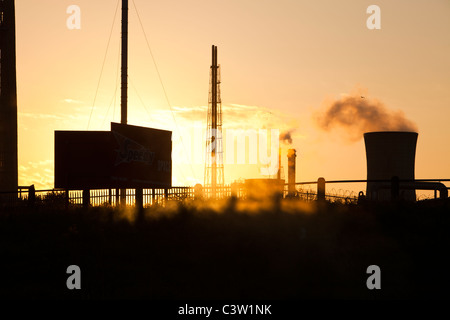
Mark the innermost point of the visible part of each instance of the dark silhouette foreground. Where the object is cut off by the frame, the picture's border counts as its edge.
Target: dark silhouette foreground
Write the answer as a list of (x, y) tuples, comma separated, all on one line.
[(187, 251)]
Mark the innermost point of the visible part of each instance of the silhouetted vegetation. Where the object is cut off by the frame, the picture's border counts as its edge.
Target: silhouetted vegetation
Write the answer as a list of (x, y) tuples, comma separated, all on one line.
[(235, 249)]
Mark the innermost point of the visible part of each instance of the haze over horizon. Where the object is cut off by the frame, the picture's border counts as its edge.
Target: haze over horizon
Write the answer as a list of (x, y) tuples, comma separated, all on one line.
[(281, 63)]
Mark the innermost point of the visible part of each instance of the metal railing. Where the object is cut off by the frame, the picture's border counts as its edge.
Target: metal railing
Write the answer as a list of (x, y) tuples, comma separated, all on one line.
[(28, 196)]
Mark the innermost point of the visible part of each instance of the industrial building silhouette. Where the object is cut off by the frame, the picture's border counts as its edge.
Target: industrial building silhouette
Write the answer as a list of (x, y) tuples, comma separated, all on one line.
[(391, 159), (390, 155)]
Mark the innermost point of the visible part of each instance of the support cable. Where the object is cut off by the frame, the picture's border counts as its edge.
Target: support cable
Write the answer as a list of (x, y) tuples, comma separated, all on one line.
[(103, 65), (163, 88)]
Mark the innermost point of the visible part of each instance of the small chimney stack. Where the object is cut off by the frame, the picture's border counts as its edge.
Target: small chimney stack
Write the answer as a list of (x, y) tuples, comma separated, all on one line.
[(279, 164), (291, 171)]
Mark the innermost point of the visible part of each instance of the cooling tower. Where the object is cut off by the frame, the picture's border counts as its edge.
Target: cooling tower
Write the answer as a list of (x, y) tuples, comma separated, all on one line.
[(390, 154)]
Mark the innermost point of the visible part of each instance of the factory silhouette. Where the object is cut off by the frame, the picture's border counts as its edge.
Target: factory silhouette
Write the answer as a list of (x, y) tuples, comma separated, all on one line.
[(87, 161), (115, 214)]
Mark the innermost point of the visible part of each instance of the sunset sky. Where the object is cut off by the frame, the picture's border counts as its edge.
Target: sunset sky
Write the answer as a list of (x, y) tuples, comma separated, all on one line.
[(281, 63)]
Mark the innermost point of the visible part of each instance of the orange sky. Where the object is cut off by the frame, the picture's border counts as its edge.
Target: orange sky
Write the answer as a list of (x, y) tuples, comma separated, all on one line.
[(281, 61)]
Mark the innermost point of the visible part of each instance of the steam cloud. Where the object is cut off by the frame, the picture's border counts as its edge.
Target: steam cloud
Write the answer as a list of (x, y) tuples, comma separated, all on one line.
[(286, 137), (357, 115)]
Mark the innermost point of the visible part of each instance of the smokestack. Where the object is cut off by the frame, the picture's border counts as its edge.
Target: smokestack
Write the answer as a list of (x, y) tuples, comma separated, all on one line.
[(390, 154), (285, 138), (8, 98), (291, 171), (279, 164)]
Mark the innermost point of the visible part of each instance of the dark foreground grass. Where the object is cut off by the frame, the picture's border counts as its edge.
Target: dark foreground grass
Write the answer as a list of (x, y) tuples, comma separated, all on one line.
[(235, 251)]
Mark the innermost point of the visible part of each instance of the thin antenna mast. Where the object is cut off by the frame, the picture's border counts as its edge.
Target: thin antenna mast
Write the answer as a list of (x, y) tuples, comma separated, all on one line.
[(124, 83), (214, 177)]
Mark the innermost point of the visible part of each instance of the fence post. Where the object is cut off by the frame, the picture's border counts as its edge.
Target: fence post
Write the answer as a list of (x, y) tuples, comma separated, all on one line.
[(86, 198), (198, 191), (117, 197), (321, 189), (395, 188), (139, 195), (66, 199), (234, 190), (123, 197), (31, 196)]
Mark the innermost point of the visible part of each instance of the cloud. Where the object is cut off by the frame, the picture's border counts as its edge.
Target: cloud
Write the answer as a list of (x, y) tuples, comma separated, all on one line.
[(39, 173), (195, 113), (40, 116), (238, 116), (72, 101), (55, 121)]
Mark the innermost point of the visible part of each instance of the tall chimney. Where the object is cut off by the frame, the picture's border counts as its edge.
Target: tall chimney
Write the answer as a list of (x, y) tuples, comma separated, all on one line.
[(8, 98), (291, 171), (279, 164)]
